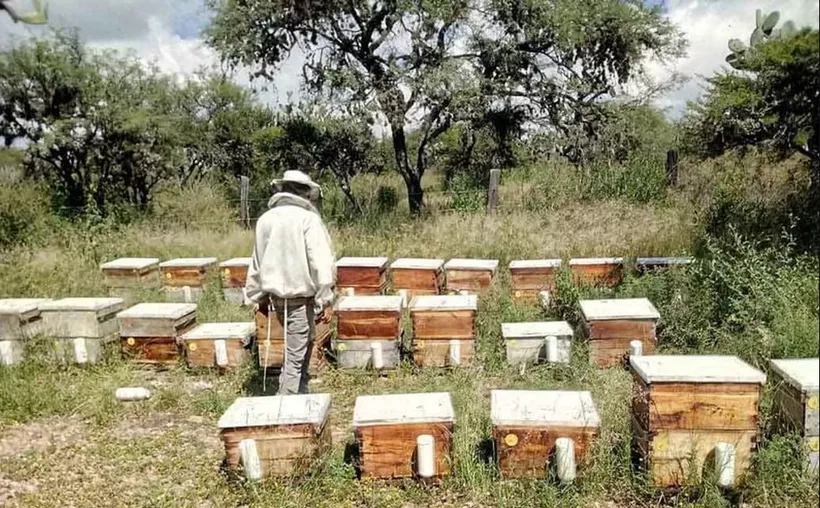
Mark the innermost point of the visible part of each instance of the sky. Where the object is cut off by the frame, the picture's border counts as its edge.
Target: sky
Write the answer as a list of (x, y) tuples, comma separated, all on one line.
[(167, 32)]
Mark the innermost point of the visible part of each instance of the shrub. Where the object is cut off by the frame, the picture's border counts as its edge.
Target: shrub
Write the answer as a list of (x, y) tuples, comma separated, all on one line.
[(24, 213)]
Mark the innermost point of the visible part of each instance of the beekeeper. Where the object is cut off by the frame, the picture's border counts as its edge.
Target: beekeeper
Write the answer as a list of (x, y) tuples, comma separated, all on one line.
[(293, 271)]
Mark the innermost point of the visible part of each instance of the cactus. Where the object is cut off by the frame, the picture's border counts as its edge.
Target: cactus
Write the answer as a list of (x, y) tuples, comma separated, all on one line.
[(764, 31), (37, 17)]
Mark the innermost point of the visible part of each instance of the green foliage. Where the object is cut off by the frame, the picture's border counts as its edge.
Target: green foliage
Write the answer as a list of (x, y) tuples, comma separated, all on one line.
[(24, 213), (764, 32), (386, 199), (39, 16)]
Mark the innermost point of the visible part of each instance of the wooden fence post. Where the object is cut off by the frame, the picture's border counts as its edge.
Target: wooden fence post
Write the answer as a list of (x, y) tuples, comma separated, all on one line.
[(492, 193), (672, 168), (244, 206)]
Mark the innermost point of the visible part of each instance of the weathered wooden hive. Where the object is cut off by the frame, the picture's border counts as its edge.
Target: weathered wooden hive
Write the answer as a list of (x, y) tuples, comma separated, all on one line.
[(528, 342), (80, 327), (387, 429), (528, 277), (443, 329), (131, 273), (368, 331), (417, 276), (19, 321), (223, 345), (233, 273), (610, 326), (272, 347), (657, 264), (365, 276), (693, 415), (796, 401), (149, 332), (182, 277), (527, 424), (471, 275), (597, 271), (282, 434)]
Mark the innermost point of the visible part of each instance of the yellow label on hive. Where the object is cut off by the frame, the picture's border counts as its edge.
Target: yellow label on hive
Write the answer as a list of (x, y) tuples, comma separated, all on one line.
[(420, 344), (518, 294), (814, 445), (226, 272), (512, 343), (168, 275), (661, 444), (342, 347), (511, 440), (192, 346), (130, 341), (813, 402)]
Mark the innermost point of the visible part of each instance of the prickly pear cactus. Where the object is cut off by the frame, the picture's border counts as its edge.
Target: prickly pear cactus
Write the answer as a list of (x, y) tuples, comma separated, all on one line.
[(764, 31), (37, 17)]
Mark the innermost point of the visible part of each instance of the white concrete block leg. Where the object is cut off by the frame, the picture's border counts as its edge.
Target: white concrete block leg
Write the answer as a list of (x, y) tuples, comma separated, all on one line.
[(455, 352), (544, 299), (80, 351), (565, 459), (725, 464), (131, 393), (221, 352), (376, 356), (636, 348), (426, 455), (7, 356), (403, 294), (551, 344), (249, 457), (187, 294)]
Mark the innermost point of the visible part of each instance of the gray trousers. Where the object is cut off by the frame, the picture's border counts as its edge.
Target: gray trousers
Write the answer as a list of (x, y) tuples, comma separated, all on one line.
[(301, 330)]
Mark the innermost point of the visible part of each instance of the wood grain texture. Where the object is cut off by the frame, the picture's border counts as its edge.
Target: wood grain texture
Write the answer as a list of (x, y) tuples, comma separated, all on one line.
[(607, 353), (599, 275), (469, 280), (131, 278), (183, 276), (526, 455), (234, 276), (633, 329), (156, 327), (389, 451), (319, 357), (350, 276), (533, 278), (526, 296), (202, 353), (283, 450), (277, 330), (436, 352), (415, 280), (368, 325), (150, 350), (443, 324), (363, 290), (795, 411)]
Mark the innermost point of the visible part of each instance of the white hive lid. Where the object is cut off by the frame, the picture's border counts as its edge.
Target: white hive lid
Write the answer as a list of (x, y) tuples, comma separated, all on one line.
[(185, 262), (801, 373), (130, 264), (221, 331), (664, 261), (620, 308), (417, 264), (23, 308), (444, 303), (98, 305), (158, 311), (471, 264), (695, 369), (276, 410), (596, 261), (364, 303), (354, 262), (235, 262), (530, 408), (534, 263), (536, 330), (403, 408)]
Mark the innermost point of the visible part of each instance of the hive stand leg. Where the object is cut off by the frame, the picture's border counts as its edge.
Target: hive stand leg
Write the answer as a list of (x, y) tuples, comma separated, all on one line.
[(636, 348), (725, 464), (551, 344), (7, 353), (565, 459), (80, 351), (376, 356), (545, 299), (425, 456), (221, 352), (249, 456), (455, 352)]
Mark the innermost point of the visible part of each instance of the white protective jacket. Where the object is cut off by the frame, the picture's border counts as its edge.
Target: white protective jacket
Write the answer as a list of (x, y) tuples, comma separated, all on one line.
[(292, 255)]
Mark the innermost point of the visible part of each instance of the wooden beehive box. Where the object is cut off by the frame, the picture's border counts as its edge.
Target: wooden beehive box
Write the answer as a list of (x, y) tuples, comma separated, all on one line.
[(149, 332), (366, 276), (387, 426), (526, 342), (363, 320), (224, 345), (657, 264), (597, 271), (183, 275), (19, 321), (289, 431), (796, 402), (683, 406), (526, 425), (271, 349), (417, 276), (233, 274), (128, 273), (471, 275), (610, 325), (437, 321), (528, 277), (80, 327)]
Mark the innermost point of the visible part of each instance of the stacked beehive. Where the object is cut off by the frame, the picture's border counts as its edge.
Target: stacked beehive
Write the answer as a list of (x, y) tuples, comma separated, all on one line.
[(368, 331), (417, 276), (472, 275), (19, 322), (686, 409), (184, 279), (531, 276), (80, 327), (530, 342), (224, 345), (149, 332), (597, 271), (797, 403), (443, 329), (656, 264), (388, 427), (124, 275), (270, 337), (234, 272), (365, 276), (611, 325)]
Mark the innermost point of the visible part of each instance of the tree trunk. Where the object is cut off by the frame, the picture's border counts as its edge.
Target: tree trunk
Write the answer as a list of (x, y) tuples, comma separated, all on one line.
[(412, 178), (415, 194)]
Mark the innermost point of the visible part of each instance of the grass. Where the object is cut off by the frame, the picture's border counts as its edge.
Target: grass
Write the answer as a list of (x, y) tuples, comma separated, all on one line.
[(65, 441)]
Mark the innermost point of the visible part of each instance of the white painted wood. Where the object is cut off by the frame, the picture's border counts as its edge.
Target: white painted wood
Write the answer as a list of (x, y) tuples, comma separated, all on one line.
[(565, 459), (534, 263), (24, 308), (427, 303), (664, 261), (725, 464), (370, 303), (276, 410), (472, 264), (595, 261), (530, 408), (695, 369), (234, 295), (249, 457), (80, 317), (11, 352), (102, 306), (235, 263), (130, 264), (221, 352), (621, 308), (377, 359), (212, 331), (426, 456), (417, 264), (551, 343), (188, 263), (172, 311), (455, 352), (132, 393), (536, 330), (545, 299), (80, 351), (403, 408), (184, 294), (635, 348), (802, 374), (356, 354), (362, 262)]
